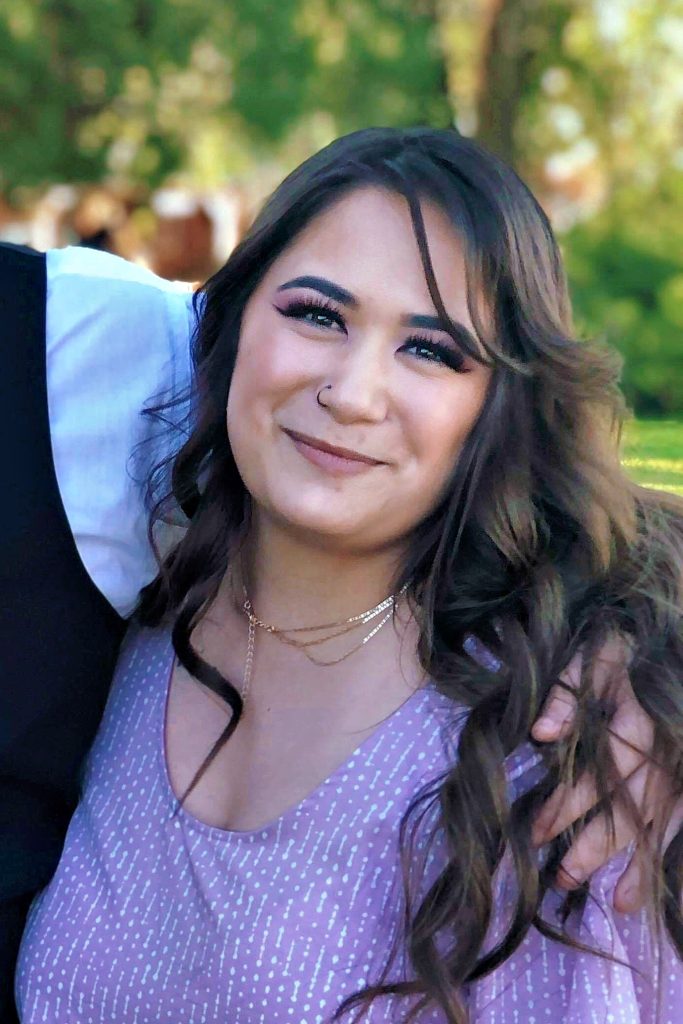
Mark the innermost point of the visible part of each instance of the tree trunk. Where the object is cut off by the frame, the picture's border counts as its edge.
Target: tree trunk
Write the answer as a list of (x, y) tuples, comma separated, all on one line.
[(505, 54), (433, 10)]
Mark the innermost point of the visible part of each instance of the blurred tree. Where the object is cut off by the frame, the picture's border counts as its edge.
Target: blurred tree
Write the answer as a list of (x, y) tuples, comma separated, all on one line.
[(378, 62), (129, 86), (626, 269), (65, 62), (583, 96), (521, 39)]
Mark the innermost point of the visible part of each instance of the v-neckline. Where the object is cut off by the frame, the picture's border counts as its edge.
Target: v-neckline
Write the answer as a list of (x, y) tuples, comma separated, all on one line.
[(181, 813)]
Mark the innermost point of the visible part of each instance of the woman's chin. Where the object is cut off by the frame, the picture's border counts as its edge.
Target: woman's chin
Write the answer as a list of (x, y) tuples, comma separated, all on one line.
[(321, 527), (328, 529)]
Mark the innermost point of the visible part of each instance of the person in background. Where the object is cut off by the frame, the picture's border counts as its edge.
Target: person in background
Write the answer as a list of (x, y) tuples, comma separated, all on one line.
[(398, 454), (86, 339)]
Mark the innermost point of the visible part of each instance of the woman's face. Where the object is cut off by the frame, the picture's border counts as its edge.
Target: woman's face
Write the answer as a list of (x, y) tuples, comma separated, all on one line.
[(345, 314)]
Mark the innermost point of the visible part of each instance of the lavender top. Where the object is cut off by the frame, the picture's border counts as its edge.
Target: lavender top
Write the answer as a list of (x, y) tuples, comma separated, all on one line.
[(156, 918)]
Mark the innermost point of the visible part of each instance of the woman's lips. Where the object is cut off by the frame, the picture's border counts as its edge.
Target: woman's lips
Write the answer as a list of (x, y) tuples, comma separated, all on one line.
[(338, 461)]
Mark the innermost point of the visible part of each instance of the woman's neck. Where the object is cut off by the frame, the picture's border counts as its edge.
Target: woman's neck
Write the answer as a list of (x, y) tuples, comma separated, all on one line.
[(292, 582)]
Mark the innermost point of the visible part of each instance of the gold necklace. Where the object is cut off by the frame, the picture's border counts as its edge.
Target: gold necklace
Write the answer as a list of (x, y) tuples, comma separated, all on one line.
[(248, 662), (338, 628), (341, 628), (248, 669), (283, 635), (362, 617)]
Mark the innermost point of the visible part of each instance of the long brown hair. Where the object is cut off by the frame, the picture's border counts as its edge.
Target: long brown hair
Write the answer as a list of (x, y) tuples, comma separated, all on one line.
[(540, 546)]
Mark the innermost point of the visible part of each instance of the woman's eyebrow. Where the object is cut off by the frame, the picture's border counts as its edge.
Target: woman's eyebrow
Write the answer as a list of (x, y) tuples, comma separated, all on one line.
[(346, 298), (430, 323), (325, 287), (434, 323)]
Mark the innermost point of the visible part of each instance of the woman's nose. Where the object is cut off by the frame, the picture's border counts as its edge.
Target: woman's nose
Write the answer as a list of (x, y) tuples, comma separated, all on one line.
[(359, 383)]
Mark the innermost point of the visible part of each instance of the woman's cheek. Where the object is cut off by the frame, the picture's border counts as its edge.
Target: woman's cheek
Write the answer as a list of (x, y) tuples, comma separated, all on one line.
[(443, 424)]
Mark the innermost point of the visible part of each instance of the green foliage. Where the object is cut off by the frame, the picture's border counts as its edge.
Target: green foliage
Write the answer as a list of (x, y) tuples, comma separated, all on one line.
[(64, 62), (377, 63), (131, 86), (579, 94), (272, 64), (626, 271)]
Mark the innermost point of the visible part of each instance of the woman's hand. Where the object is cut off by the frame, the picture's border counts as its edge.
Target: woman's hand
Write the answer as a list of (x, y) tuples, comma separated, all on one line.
[(631, 740)]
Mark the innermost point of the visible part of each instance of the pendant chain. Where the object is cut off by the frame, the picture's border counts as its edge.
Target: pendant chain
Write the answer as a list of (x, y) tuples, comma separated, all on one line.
[(362, 617), (340, 628), (249, 661)]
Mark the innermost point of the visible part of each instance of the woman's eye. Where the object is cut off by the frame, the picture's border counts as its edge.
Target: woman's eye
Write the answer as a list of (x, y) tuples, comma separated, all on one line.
[(436, 352), (314, 314), (319, 319)]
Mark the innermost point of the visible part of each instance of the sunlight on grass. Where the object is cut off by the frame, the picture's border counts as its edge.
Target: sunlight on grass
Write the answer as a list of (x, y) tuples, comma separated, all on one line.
[(653, 453)]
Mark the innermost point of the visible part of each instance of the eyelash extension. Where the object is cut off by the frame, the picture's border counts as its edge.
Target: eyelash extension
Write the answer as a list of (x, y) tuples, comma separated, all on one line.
[(302, 306), (450, 357)]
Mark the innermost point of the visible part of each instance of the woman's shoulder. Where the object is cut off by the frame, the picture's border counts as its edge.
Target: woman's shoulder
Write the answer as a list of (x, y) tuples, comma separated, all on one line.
[(143, 668), (146, 646)]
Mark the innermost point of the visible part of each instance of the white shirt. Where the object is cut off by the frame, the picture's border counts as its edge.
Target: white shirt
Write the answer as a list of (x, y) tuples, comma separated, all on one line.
[(117, 337)]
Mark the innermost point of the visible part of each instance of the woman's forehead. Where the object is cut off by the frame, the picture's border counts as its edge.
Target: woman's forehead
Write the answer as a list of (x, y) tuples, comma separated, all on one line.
[(366, 242)]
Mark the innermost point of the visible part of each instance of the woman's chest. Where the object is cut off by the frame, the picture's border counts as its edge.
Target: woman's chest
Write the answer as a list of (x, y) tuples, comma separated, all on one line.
[(275, 760), (154, 915), (190, 927)]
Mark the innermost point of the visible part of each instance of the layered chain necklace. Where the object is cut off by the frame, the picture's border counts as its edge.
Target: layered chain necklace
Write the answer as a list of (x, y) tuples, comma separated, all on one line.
[(301, 638)]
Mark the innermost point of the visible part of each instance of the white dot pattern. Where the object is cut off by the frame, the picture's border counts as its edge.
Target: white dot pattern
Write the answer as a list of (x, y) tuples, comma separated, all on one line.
[(156, 918)]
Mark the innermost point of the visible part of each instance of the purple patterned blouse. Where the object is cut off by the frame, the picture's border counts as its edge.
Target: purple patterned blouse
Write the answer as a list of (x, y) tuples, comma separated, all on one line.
[(156, 918)]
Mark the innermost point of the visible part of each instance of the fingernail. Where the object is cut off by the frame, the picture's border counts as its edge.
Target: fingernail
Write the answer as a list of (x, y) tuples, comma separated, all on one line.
[(545, 725)]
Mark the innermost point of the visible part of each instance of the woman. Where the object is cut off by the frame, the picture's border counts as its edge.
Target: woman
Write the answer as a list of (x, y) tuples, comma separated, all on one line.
[(406, 515)]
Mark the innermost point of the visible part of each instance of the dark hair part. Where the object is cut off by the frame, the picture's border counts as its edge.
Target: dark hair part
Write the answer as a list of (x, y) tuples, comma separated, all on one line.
[(541, 546)]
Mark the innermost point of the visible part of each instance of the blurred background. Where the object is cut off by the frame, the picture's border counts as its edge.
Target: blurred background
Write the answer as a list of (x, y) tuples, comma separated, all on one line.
[(154, 128)]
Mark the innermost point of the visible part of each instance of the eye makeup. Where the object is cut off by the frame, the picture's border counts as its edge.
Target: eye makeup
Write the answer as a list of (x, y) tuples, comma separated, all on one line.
[(307, 308), (298, 309), (439, 351)]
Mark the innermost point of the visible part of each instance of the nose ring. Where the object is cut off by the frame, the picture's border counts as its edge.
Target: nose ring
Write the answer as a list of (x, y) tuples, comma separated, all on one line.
[(328, 387)]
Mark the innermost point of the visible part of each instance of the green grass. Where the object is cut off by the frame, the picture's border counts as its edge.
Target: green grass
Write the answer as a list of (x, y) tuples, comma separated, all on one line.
[(653, 453)]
